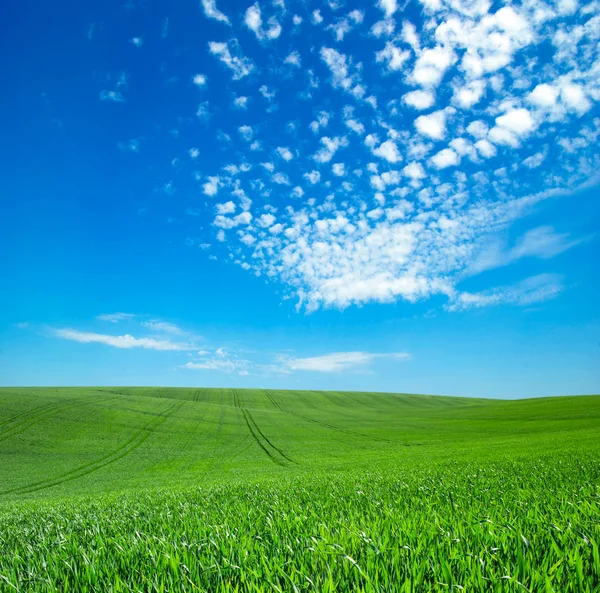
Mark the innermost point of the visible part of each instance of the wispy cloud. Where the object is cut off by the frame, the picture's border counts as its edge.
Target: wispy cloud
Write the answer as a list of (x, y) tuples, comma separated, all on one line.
[(230, 54), (212, 12), (339, 361), (124, 341), (542, 242), (115, 317), (535, 289)]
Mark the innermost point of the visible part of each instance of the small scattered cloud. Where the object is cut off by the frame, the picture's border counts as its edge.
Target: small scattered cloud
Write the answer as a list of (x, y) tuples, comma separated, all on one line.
[(114, 96), (230, 54), (212, 12)]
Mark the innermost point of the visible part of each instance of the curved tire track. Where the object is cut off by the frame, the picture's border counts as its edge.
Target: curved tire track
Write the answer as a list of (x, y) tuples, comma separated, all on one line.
[(275, 454), (125, 449), (44, 411)]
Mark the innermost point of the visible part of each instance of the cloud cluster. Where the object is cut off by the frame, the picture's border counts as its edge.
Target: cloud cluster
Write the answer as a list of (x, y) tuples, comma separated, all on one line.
[(468, 115)]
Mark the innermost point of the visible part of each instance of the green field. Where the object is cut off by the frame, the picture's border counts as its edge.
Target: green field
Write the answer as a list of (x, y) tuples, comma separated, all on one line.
[(160, 489)]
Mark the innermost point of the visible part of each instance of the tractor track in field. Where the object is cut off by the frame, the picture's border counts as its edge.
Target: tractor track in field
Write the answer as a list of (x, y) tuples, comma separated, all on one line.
[(274, 453), (338, 428), (281, 408), (213, 458), (124, 449), (273, 401), (306, 401), (41, 412)]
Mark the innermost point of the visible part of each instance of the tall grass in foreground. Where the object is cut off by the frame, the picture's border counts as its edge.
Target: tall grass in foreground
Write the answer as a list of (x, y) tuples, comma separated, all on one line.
[(530, 525)]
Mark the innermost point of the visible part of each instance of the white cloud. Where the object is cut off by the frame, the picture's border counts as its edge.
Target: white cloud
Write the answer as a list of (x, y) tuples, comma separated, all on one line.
[(226, 208), (329, 148), (114, 96), (466, 96), (485, 148), (445, 158), (163, 327), (137, 41), (132, 145), (199, 80), (535, 289), (574, 98), (518, 121), (432, 65), (543, 95), (339, 361), (535, 160), (339, 169), (246, 132), (293, 59), (125, 341), (393, 57), (432, 125), (240, 102), (219, 360), (254, 22), (542, 242), (419, 99), (211, 11), (280, 179), (211, 187), (414, 170), (344, 73), (231, 55), (285, 153), (389, 7), (478, 129), (389, 151), (313, 177), (115, 317)]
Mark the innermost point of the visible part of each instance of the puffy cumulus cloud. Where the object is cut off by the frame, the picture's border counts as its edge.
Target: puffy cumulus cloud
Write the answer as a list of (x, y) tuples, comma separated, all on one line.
[(285, 153), (431, 66), (414, 171), (543, 95), (445, 158), (212, 186), (419, 99), (511, 127), (230, 54), (433, 125), (388, 151), (389, 7)]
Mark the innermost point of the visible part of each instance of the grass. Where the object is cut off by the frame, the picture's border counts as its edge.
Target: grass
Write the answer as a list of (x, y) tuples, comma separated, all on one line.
[(157, 489)]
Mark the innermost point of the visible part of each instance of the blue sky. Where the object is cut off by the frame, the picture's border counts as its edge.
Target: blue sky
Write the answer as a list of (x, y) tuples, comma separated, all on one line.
[(338, 195)]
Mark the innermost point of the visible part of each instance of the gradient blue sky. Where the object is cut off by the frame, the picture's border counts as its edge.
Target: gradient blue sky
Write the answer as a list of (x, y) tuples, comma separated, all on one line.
[(338, 195)]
